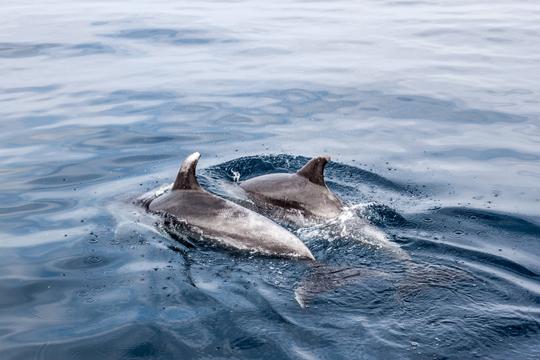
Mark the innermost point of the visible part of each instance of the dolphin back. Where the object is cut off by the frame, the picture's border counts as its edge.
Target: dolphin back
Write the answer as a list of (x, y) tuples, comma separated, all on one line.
[(296, 198)]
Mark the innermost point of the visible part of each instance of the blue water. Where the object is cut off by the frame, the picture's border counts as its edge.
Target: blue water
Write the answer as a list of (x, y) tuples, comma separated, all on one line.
[(429, 109)]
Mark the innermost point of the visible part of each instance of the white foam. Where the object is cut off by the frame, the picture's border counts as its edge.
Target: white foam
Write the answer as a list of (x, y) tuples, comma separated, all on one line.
[(350, 225)]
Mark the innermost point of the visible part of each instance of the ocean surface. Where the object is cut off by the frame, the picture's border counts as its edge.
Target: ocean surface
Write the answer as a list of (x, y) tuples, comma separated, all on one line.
[(430, 111)]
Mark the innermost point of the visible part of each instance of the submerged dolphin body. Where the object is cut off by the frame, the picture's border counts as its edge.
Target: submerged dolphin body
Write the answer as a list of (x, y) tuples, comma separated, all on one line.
[(223, 221), (297, 198)]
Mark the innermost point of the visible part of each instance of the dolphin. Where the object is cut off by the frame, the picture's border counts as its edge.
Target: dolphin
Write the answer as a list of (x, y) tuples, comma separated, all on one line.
[(299, 198), (222, 221)]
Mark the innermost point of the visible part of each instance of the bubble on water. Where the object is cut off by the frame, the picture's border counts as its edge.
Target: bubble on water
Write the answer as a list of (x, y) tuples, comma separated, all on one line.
[(94, 259)]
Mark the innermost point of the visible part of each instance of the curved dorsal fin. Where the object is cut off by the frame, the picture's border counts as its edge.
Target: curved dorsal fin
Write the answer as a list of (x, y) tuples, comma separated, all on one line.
[(186, 178), (314, 170)]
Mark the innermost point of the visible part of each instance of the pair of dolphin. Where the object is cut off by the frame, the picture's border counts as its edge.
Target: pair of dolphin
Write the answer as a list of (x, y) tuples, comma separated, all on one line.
[(303, 195)]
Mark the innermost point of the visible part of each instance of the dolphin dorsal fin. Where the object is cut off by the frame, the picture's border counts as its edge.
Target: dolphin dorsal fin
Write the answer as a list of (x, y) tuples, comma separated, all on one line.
[(186, 178), (314, 170)]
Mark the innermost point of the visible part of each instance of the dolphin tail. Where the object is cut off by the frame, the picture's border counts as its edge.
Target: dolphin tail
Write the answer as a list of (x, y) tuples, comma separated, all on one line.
[(186, 178), (314, 170), (324, 279)]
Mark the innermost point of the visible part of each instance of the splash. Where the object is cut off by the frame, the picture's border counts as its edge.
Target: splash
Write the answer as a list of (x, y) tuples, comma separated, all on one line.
[(352, 224), (236, 176)]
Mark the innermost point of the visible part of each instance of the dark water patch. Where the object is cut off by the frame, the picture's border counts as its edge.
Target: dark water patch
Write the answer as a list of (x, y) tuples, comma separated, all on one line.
[(401, 107), (85, 262), (307, 103), (303, 102), (165, 109), (486, 154), (247, 343), (358, 177), (25, 50), (194, 108), (42, 206), (135, 159), (32, 89), (64, 180), (405, 3), (133, 341), (516, 327), (20, 50), (295, 96), (234, 120), (178, 37), (39, 120), (15, 292), (94, 48), (264, 51), (109, 137), (127, 110), (498, 39), (493, 219), (472, 255), (383, 215), (156, 139), (487, 237), (120, 96), (22, 208)]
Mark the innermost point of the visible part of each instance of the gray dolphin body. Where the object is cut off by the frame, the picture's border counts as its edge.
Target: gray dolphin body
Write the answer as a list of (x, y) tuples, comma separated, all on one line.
[(223, 221), (299, 197)]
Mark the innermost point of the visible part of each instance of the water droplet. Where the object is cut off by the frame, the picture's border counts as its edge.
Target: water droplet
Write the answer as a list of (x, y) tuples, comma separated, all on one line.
[(94, 259)]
